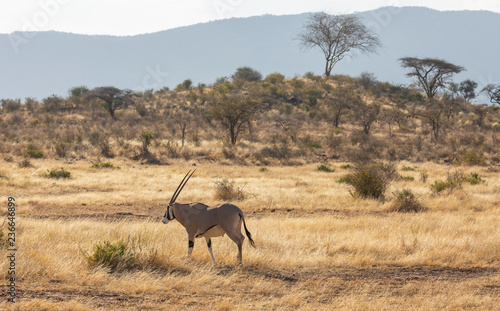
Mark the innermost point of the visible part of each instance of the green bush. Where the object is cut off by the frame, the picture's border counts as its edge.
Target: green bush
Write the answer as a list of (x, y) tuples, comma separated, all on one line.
[(470, 157), (325, 168), (371, 180), (104, 165), (407, 178), (115, 256), (34, 154), (263, 169), (57, 174), (474, 179), (409, 168), (346, 166), (406, 202), (453, 181)]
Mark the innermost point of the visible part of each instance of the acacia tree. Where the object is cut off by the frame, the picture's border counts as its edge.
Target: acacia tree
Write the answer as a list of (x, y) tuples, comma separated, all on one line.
[(493, 92), (337, 36), (233, 112), (431, 73), (113, 98)]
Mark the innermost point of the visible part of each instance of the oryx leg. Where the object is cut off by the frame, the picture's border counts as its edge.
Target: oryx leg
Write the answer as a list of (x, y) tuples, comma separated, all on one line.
[(209, 245), (237, 238), (190, 246)]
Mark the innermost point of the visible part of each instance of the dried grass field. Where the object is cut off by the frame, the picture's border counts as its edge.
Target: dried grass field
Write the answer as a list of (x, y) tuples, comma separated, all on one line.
[(318, 247)]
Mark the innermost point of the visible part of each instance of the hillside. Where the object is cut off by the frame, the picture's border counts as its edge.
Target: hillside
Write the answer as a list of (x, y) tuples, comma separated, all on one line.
[(52, 62)]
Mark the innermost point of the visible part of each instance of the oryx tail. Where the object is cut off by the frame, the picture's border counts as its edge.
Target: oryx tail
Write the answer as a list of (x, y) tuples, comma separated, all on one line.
[(249, 235)]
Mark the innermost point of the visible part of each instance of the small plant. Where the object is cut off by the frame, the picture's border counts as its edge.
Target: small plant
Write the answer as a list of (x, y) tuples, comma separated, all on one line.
[(58, 174), (344, 179), (3, 175), (409, 168), (346, 166), (474, 179), (423, 176), (225, 190), (325, 168), (406, 202), (263, 169), (115, 256), (25, 163), (453, 181), (407, 178), (104, 165)]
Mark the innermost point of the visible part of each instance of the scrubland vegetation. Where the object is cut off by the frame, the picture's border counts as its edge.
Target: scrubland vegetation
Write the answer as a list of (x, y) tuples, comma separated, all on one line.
[(360, 195)]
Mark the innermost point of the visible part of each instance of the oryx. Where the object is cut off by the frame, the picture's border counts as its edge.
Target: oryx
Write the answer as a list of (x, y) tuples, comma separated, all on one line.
[(208, 222)]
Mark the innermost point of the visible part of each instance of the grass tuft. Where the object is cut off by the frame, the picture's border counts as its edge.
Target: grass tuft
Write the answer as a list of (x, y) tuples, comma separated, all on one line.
[(406, 202), (58, 174), (325, 168)]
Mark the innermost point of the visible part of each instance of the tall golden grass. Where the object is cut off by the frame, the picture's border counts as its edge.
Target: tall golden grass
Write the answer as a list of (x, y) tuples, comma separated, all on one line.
[(318, 248)]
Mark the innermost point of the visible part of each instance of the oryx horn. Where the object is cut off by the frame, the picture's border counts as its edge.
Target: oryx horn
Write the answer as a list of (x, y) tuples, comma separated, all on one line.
[(181, 186)]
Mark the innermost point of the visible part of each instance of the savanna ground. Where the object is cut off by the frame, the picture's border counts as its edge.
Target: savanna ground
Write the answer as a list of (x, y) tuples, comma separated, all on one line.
[(318, 247)]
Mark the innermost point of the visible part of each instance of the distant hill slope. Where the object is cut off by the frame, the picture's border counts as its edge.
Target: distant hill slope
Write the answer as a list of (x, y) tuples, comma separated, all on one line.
[(52, 62)]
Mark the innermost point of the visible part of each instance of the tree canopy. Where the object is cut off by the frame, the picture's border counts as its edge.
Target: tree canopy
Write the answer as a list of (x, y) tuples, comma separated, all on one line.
[(337, 36), (431, 73)]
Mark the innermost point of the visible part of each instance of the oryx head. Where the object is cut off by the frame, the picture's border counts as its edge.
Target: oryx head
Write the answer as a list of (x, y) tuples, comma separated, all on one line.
[(169, 213)]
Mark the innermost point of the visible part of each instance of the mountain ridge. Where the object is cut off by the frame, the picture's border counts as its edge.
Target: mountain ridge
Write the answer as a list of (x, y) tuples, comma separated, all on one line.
[(52, 62)]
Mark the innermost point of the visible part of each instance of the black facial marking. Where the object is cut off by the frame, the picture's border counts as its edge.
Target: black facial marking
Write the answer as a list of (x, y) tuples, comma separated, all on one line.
[(191, 244)]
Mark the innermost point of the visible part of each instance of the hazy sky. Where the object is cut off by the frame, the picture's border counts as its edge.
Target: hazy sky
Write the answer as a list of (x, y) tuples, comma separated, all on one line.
[(129, 17)]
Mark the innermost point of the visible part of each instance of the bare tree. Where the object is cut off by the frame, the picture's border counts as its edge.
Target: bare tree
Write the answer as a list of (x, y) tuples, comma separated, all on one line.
[(183, 116), (493, 92), (367, 114), (112, 97), (436, 114), (337, 36), (340, 100), (431, 73)]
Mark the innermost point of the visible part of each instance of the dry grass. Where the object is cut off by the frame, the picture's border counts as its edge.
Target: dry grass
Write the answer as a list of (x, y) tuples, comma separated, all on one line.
[(318, 248)]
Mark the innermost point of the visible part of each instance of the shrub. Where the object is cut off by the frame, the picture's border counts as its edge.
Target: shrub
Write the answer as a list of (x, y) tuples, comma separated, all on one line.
[(25, 163), (470, 157), (104, 165), (370, 180), (32, 151), (57, 174), (115, 256), (225, 190), (474, 179), (61, 149), (346, 166), (407, 178), (263, 169), (406, 202), (453, 181), (325, 168), (409, 168)]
